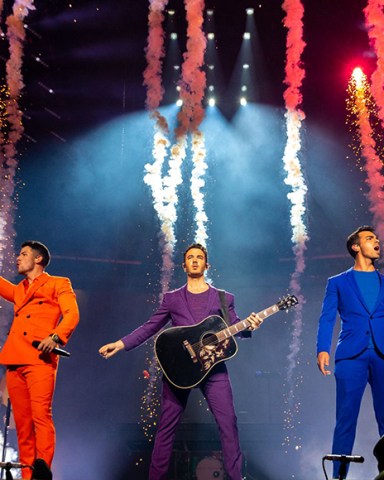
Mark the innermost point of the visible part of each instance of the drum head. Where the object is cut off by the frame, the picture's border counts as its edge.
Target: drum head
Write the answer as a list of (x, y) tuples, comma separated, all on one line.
[(209, 468)]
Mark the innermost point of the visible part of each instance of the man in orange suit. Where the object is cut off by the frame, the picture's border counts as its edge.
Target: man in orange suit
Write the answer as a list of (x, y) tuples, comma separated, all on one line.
[(46, 311)]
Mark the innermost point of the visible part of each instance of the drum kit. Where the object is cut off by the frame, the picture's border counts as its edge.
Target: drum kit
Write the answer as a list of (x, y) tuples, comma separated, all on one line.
[(210, 468)]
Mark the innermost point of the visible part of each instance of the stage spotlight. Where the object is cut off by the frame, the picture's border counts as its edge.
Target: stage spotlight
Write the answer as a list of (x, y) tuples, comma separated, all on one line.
[(174, 36), (243, 101), (176, 67), (171, 12), (179, 102), (244, 88), (247, 35), (211, 67), (245, 66), (212, 102), (250, 11), (211, 36), (211, 88), (210, 13)]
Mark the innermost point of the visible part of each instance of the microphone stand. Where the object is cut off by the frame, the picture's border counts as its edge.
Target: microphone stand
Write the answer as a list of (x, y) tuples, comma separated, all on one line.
[(343, 468), (5, 435), (8, 465)]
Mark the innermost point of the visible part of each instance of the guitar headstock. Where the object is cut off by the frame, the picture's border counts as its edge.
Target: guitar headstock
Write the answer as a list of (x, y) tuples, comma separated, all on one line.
[(287, 302)]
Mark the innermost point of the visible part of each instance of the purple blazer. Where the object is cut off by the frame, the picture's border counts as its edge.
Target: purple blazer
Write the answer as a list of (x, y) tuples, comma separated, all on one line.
[(174, 309)]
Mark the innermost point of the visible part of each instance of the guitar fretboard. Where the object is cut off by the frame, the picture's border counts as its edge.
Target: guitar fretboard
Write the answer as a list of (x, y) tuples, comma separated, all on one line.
[(244, 324)]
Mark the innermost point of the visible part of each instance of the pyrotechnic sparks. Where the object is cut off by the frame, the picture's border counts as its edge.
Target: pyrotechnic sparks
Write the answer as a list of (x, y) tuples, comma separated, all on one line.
[(197, 183), (374, 20), (362, 112), (295, 179), (164, 187), (11, 128)]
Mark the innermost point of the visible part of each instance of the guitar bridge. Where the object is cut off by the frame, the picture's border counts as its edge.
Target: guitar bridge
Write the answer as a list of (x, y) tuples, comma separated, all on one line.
[(190, 350)]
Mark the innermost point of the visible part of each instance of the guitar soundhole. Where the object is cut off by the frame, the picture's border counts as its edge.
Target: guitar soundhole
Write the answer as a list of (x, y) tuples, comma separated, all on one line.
[(209, 340)]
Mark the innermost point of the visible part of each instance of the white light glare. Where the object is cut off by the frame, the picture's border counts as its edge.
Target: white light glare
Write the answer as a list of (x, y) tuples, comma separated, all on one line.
[(211, 67), (211, 102), (243, 101), (174, 36), (210, 13), (171, 12), (250, 11), (211, 36), (245, 66), (176, 67), (211, 88), (244, 88), (179, 103), (247, 35)]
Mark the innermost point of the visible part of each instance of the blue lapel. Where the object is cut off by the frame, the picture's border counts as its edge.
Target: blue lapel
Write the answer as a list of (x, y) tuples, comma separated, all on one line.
[(352, 282), (381, 293)]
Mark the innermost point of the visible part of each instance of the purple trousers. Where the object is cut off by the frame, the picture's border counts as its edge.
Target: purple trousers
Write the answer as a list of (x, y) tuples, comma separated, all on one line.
[(218, 391)]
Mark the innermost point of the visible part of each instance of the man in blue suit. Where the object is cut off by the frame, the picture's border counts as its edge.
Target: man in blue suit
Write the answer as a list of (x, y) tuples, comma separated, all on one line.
[(358, 296)]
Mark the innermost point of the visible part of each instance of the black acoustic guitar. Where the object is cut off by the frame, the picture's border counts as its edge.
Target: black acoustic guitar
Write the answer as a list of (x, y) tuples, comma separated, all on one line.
[(187, 354)]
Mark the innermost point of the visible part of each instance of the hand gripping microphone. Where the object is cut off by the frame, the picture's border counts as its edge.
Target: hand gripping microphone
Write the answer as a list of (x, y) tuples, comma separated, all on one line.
[(56, 350)]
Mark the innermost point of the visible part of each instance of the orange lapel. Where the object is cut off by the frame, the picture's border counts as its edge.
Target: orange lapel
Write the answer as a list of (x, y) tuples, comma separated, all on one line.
[(41, 280)]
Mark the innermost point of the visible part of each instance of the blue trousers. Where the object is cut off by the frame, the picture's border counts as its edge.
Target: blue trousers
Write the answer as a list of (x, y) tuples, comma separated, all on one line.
[(352, 376), (218, 391)]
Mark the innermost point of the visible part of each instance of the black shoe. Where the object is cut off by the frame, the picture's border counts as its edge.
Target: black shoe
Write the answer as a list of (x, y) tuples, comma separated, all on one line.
[(41, 471)]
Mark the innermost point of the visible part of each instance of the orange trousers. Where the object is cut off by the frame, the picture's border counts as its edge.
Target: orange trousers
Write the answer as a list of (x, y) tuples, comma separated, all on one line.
[(31, 389)]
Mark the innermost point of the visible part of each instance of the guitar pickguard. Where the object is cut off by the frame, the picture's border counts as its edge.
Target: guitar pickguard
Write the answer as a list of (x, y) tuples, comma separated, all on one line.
[(211, 354)]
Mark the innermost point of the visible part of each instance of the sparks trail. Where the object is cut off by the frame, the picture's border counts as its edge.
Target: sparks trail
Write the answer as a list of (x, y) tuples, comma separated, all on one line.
[(165, 179), (363, 109), (374, 21), (294, 75)]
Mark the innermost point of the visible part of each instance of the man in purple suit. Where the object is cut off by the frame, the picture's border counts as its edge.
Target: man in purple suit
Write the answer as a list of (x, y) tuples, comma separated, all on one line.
[(186, 306), (358, 296)]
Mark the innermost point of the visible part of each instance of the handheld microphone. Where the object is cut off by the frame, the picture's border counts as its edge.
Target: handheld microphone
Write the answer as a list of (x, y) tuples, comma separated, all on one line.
[(56, 350), (345, 458)]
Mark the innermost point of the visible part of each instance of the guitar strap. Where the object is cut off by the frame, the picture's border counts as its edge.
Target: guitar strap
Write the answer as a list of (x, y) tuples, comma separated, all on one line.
[(224, 307)]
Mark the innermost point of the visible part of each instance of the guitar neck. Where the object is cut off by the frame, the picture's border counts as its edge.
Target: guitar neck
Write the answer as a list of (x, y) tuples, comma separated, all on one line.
[(244, 324)]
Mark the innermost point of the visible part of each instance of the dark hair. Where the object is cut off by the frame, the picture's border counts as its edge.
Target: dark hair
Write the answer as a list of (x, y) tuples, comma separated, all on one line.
[(353, 238), (200, 247), (41, 249)]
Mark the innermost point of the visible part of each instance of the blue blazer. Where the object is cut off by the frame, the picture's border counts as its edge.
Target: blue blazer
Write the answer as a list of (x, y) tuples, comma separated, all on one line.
[(343, 296)]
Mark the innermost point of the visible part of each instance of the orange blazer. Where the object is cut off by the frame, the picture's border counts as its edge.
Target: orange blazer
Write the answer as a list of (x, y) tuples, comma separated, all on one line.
[(49, 306)]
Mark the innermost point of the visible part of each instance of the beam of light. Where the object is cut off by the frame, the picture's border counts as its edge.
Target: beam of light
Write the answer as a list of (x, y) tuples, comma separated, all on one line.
[(362, 109), (295, 179), (374, 21)]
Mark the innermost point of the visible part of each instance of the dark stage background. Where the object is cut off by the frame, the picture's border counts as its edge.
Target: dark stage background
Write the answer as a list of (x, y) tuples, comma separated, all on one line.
[(81, 191)]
